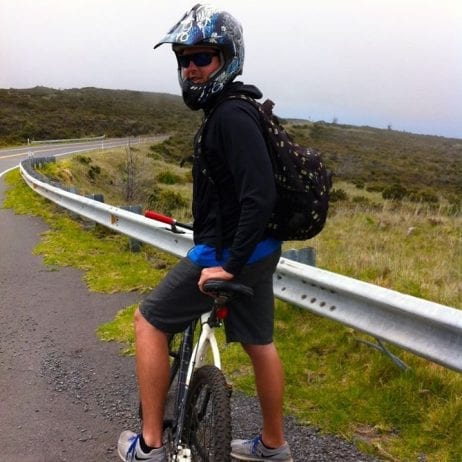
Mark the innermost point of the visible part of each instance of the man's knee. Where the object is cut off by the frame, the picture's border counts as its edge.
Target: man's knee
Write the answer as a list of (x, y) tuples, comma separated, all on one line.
[(141, 323), (258, 350), (143, 326), (138, 318)]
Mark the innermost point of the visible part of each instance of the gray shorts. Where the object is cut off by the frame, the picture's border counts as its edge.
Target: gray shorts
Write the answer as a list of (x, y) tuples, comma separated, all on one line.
[(176, 301)]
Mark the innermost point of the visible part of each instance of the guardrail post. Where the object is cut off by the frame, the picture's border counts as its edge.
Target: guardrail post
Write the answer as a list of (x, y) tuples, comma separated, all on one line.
[(90, 224), (73, 190), (96, 197), (134, 244), (306, 255)]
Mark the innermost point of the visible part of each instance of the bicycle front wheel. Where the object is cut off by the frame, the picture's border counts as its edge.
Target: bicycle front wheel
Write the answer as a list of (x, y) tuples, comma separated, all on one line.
[(207, 429)]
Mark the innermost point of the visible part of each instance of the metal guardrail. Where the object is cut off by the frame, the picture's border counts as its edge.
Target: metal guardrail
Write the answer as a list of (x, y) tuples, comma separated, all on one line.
[(425, 328), (67, 140), (115, 218)]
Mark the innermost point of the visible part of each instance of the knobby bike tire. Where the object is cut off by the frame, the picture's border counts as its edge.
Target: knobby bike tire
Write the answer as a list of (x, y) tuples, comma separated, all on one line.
[(207, 429)]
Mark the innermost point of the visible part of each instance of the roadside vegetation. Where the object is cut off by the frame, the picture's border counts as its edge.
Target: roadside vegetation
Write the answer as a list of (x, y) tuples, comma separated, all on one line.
[(395, 221)]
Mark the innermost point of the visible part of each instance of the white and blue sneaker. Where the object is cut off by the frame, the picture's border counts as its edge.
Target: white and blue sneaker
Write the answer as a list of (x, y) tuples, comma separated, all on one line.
[(129, 449), (255, 450)]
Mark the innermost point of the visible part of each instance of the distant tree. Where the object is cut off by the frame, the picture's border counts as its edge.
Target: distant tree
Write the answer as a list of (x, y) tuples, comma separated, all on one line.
[(131, 174)]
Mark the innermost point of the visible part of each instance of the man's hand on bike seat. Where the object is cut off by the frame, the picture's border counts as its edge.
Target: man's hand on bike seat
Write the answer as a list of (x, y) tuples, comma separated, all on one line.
[(215, 272)]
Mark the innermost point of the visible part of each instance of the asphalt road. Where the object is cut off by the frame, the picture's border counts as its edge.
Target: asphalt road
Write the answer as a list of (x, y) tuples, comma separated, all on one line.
[(64, 395), (10, 157)]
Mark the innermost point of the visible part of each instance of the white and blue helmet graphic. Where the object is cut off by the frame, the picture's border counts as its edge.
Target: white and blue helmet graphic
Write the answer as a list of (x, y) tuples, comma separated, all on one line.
[(209, 26)]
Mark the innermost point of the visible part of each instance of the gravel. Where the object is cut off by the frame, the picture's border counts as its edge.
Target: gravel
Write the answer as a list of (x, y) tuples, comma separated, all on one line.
[(306, 443), (116, 401)]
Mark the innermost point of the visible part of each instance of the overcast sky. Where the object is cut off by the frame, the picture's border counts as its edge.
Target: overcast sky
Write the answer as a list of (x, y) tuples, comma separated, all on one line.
[(362, 62)]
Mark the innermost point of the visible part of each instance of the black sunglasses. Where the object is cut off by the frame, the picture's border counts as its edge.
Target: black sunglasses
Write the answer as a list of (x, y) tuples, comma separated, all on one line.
[(201, 59)]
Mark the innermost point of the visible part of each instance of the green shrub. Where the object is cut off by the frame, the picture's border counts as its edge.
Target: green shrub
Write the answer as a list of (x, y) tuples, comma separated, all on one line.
[(82, 159), (166, 201), (424, 196), (168, 177), (93, 171), (375, 187), (394, 192), (338, 195), (362, 200)]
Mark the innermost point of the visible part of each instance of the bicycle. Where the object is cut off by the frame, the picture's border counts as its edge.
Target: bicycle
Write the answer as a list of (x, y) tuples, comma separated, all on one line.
[(197, 424)]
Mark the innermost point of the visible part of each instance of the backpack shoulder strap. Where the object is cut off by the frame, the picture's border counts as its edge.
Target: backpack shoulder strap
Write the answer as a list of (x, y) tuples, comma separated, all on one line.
[(198, 148), (202, 162)]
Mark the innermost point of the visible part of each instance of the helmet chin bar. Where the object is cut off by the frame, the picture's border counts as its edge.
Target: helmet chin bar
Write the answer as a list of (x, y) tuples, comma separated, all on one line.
[(198, 95)]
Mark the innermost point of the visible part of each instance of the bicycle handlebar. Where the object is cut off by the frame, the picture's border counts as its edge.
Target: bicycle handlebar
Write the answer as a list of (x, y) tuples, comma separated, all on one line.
[(165, 219)]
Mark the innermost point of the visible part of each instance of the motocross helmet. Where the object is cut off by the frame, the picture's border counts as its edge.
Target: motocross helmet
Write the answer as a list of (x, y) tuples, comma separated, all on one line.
[(206, 25)]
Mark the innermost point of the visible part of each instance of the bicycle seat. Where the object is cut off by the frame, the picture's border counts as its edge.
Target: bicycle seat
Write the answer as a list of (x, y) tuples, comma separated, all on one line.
[(229, 288)]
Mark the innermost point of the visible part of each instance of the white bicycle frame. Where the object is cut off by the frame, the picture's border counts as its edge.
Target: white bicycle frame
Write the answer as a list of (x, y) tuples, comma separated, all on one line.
[(206, 342)]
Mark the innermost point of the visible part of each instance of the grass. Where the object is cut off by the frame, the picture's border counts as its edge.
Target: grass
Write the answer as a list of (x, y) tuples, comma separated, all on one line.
[(403, 246), (334, 382), (103, 256), (120, 329)]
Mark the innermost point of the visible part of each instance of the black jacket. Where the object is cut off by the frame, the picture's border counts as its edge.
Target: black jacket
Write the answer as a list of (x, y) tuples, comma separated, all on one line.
[(243, 192)]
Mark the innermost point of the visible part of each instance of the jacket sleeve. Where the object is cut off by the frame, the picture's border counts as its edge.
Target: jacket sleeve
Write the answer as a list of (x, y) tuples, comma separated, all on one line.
[(246, 155)]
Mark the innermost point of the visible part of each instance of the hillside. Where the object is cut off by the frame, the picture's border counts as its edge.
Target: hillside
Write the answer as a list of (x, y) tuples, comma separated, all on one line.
[(402, 165), (424, 167), (45, 113)]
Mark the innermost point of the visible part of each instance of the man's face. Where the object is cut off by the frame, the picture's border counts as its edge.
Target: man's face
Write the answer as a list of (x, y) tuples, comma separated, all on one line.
[(198, 63)]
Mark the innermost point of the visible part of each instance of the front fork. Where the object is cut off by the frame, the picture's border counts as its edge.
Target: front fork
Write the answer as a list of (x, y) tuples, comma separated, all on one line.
[(207, 341)]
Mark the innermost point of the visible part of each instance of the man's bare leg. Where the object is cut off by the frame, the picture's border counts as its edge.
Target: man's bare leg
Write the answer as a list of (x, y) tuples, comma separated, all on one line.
[(152, 368), (269, 379)]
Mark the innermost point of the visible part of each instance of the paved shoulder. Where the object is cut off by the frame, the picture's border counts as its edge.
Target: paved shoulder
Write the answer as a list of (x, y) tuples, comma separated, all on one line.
[(64, 394)]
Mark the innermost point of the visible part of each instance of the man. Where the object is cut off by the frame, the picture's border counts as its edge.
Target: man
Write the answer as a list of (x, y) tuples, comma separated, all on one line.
[(232, 203)]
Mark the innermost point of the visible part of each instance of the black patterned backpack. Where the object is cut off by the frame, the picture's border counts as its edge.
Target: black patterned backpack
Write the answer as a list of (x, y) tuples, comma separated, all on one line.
[(302, 181)]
